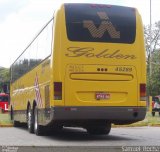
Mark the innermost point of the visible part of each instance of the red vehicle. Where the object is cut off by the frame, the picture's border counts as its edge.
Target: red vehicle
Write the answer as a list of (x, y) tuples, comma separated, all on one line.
[(4, 101)]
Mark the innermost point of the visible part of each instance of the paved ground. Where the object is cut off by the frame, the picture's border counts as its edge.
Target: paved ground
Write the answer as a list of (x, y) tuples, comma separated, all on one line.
[(71, 137)]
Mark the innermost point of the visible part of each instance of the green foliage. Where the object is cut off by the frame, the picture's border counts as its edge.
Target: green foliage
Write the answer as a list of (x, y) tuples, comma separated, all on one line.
[(153, 81), (4, 77), (155, 75), (23, 66), (152, 43)]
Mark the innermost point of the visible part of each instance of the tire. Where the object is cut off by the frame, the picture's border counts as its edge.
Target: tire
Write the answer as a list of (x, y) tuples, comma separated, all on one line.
[(38, 129), (11, 114), (30, 121), (153, 113), (99, 130), (15, 123)]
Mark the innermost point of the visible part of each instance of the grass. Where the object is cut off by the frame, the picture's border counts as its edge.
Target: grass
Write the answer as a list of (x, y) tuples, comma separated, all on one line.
[(153, 121), (148, 121), (5, 120)]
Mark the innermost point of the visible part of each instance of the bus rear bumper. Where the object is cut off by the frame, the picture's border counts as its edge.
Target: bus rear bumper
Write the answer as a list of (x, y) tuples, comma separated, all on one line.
[(116, 115)]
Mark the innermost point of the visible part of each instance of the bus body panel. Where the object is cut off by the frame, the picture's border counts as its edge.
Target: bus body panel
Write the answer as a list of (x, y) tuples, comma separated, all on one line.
[(84, 80), (33, 87), (123, 57)]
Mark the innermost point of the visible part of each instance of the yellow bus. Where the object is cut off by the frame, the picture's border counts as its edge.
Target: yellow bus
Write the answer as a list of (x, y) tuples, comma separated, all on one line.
[(85, 68)]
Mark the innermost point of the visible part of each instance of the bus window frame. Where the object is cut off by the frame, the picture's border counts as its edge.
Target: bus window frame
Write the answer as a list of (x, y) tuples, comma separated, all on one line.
[(25, 50)]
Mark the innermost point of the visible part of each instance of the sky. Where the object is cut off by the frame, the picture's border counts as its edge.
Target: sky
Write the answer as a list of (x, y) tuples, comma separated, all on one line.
[(21, 20)]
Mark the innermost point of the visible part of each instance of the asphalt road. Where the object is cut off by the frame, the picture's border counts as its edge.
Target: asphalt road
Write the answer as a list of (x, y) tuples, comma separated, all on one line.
[(73, 138)]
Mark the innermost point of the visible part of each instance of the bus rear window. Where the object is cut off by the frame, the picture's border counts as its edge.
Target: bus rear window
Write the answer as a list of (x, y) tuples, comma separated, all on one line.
[(100, 23)]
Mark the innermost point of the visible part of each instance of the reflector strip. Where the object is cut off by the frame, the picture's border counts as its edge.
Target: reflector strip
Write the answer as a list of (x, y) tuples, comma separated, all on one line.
[(38, 93)]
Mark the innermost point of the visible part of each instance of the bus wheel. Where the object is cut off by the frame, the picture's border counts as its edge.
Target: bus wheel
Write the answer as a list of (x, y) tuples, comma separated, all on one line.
[(11, 114), (99, 130), (153, 114), (30, 120), (38, 129), (15, 123)]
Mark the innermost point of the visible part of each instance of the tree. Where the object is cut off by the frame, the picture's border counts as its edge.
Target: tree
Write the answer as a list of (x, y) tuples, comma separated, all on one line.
[(4, 79), (155, 75), (21, 67), (153, 56)]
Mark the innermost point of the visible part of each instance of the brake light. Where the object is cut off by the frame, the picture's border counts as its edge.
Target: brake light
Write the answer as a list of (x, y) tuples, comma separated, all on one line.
[(57, 90), (143, 92), (100, 6)]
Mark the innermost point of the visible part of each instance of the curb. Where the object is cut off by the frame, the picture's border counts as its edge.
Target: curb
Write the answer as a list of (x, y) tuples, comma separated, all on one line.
[(6, 125)]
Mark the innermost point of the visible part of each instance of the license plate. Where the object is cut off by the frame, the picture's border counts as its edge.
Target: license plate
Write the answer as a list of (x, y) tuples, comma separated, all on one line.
[(102, 96)]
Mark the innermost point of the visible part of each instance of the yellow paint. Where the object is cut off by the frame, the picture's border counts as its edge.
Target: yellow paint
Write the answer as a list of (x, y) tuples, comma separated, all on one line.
[(150, 103), (83, 76)]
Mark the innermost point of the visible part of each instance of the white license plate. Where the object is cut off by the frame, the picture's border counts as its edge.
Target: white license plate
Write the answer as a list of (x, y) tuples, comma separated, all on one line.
[(102, 96)]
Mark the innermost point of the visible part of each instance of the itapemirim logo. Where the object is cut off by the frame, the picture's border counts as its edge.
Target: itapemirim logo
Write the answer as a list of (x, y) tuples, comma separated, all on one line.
[(106, 25)]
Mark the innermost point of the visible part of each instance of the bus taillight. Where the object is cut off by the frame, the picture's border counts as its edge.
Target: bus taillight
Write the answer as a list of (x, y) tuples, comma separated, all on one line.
[(100, 6), (142, 92), (57, 90)]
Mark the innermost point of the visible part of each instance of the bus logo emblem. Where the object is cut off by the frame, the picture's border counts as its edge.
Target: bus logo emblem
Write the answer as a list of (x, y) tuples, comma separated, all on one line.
[(106, 25)]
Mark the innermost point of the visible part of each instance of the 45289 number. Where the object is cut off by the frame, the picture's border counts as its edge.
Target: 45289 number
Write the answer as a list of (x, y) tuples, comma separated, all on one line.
[(123, 69)]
